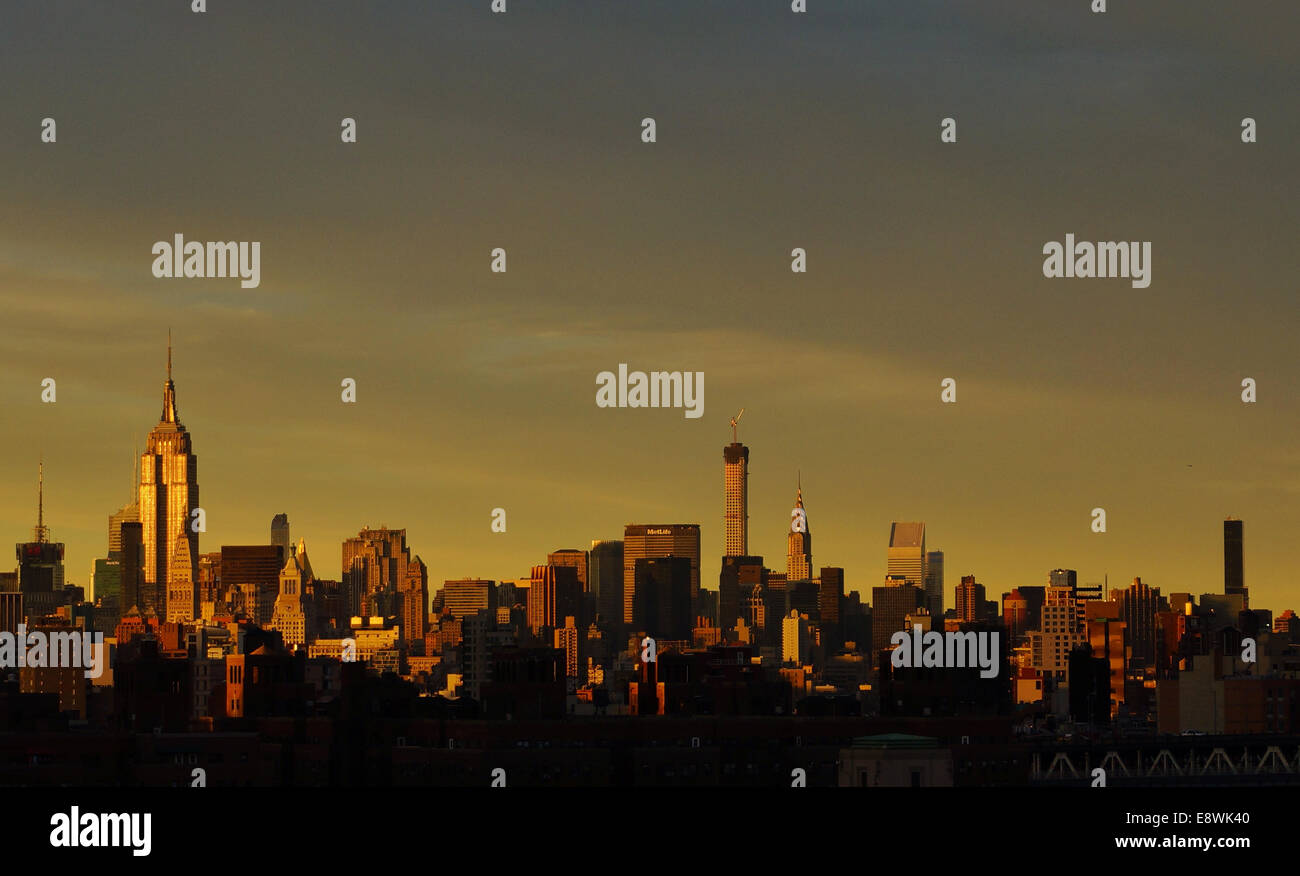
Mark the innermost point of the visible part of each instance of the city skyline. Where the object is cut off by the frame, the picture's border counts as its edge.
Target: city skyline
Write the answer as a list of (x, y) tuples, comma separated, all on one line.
[(924, 262), (170, 422)]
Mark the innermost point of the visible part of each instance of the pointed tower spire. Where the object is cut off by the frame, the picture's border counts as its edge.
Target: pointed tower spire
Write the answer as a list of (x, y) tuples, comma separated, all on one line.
[(798, 489), (169, 388)]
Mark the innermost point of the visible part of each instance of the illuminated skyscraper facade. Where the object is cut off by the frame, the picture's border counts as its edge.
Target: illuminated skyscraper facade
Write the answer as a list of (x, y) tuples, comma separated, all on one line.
[(798, 559), (169, 493), (735, 482), (907, 553)]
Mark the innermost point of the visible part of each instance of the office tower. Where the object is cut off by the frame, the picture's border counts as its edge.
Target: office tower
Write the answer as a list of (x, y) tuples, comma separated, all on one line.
[(566, 640), (464, 597), (481, 635), (128, 514), (1015, 615), (934, 583), (280, 535), (661, 602), (1234, 580), (576, 559), (890, 606), (133, 589), (605, 574), (830, 593), (553, 595), (740, 575), (970, 600), (642, 541), (798, 555), (374, 570), (796, 638), (250, 575), (169, 494), (108, 589), (182, 597), (40, 562), (414, 604), (735, 484), (1061, 632), (1138, 607), (293, 612), (907, 553)]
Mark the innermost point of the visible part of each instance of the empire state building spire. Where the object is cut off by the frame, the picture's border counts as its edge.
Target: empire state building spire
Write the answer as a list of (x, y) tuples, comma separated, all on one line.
[(168, 502), (169, 389)]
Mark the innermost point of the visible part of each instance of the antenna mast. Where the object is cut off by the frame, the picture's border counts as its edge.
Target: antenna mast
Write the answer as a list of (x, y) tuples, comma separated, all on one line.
[(42, 534)]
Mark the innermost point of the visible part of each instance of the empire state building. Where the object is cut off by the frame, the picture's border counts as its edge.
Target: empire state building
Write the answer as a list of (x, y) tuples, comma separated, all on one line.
[(169, 493)]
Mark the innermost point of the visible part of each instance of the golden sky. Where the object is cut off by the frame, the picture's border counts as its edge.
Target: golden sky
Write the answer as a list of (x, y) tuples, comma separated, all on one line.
[(476, 390)]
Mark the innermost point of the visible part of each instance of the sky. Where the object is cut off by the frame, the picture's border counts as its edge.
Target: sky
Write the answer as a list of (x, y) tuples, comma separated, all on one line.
[(476, 390)]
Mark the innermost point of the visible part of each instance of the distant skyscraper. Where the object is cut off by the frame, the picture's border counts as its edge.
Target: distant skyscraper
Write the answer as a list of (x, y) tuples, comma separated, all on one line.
[(374, 571), (798, 558), (576, 559), (830, 593), (1234, 578), (605, 579), (40, 562), (907, 553), (934, 583), (293, 613), (890, 607), (735, 483), (1061, 631), (133, 590), (566, 640), (554, 595), (182, 601), (1138, 607), (661, 604), (642, 541), (251, 575), (169, 493), (280, 535), (970, 600), (465, 597), (740, 575), (129, 514), (413, 603)]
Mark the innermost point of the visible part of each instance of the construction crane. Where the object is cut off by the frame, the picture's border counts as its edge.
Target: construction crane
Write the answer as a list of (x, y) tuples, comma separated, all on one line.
[(734, 421)]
